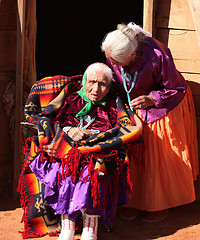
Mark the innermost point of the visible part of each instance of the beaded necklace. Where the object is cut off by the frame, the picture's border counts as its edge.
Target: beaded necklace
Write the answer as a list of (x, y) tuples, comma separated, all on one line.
[(127, 76)]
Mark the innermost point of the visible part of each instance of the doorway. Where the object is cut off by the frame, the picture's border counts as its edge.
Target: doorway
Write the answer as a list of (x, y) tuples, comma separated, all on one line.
[(69, 33)]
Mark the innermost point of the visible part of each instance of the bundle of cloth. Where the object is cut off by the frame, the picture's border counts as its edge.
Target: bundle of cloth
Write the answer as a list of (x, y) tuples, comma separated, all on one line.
[(64, 177)]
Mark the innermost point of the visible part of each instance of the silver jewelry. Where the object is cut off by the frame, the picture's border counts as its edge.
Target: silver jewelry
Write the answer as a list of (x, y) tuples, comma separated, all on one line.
[(66, 129), (86, 118), (140, 106), (127, 76)]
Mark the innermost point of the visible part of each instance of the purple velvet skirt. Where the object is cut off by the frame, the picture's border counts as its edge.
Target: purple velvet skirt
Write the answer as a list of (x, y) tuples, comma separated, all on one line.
[(67, 197)]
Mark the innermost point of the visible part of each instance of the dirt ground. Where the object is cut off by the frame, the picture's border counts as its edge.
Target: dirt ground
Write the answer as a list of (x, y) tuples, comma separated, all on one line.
[(183, 223)]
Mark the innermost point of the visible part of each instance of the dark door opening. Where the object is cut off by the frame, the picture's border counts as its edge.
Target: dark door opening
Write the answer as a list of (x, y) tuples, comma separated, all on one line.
[(69, 33)]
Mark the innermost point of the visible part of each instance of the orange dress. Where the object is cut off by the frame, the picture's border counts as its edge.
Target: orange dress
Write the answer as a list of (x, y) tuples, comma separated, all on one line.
[(165, 165)]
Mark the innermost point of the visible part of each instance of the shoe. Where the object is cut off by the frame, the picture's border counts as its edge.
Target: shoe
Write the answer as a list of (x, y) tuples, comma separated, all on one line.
[(156, 216), (129, 214)]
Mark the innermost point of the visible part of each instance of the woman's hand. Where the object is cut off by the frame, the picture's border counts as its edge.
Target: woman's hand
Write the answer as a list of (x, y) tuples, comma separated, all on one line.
[(77, 134), (142, 102)]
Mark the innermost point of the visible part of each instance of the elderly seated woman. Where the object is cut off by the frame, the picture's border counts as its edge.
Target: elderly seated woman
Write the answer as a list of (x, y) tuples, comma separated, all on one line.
[(83, 113)]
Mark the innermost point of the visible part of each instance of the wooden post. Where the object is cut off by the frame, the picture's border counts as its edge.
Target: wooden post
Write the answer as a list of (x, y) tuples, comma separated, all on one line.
[(149, 16), (19, 92)]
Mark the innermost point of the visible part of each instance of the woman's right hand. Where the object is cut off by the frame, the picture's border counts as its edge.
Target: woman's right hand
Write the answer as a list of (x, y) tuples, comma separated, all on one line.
[(77, 134), (142, 102)]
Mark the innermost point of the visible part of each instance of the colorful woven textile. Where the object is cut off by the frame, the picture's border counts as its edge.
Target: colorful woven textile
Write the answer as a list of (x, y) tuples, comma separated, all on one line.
[(39, 218), (44, 100)]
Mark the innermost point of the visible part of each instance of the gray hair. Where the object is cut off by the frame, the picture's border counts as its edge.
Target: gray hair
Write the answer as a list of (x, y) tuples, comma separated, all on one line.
[(122, 42), (101, 67)]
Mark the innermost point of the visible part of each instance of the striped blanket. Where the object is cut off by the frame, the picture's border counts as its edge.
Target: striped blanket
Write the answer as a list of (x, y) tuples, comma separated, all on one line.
[(45, 99)]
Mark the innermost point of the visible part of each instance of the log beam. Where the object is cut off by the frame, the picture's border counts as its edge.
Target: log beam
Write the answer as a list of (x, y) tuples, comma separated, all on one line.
[(19, 92), (149, 16)]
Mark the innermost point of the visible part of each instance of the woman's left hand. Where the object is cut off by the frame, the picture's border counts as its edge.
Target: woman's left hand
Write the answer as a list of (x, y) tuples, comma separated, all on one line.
[(142, 102)]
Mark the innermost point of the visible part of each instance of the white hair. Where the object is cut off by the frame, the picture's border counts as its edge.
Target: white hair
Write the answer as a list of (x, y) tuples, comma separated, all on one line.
[(122, 42), (101, 67)]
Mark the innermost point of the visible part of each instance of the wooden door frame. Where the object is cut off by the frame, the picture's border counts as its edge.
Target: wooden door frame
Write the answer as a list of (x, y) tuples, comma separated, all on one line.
[(149, 16), (19, 93)]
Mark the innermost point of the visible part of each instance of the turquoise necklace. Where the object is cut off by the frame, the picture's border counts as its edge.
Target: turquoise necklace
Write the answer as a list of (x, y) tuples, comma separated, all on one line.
[(127, 76)]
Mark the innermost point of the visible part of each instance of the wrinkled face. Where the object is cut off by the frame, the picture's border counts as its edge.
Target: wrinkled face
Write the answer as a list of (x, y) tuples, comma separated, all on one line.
[(96, 86), (125, 62)]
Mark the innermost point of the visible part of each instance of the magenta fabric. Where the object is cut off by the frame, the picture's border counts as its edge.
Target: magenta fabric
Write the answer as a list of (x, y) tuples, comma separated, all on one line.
[(157, 76), (105, 116)]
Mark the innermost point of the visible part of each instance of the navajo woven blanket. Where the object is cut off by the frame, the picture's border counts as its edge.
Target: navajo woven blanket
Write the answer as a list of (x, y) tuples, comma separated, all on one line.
[(45, 99)]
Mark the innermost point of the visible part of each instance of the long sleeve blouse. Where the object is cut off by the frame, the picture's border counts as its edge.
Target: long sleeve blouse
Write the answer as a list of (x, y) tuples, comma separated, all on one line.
[(157, 76)]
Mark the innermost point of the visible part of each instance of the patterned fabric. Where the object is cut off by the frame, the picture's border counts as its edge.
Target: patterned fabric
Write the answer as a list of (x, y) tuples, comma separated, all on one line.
[(39, 218), (44, 100)]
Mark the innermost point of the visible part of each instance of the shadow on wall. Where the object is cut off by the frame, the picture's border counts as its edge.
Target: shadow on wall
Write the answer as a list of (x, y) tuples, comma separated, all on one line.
[(162, 14)]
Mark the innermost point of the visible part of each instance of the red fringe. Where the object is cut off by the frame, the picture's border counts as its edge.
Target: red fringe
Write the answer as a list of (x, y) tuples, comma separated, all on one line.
[(128, 179), (70, 164), (27, 233), (27, 145), (74, 162), (73, 165), (95, 189), (51, 234), (58, 179)]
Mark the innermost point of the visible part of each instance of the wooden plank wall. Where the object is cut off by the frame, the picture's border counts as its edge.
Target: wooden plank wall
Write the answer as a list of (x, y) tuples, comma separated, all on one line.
[(8, 15), (175, 28), (195, 10)]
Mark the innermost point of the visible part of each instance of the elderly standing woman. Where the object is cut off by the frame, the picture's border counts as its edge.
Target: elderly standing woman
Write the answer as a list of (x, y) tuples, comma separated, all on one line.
[(73, 199), (165, 166)]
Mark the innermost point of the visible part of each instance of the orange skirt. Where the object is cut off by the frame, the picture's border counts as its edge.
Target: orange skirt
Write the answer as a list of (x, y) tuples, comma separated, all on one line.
[(164, 167)]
